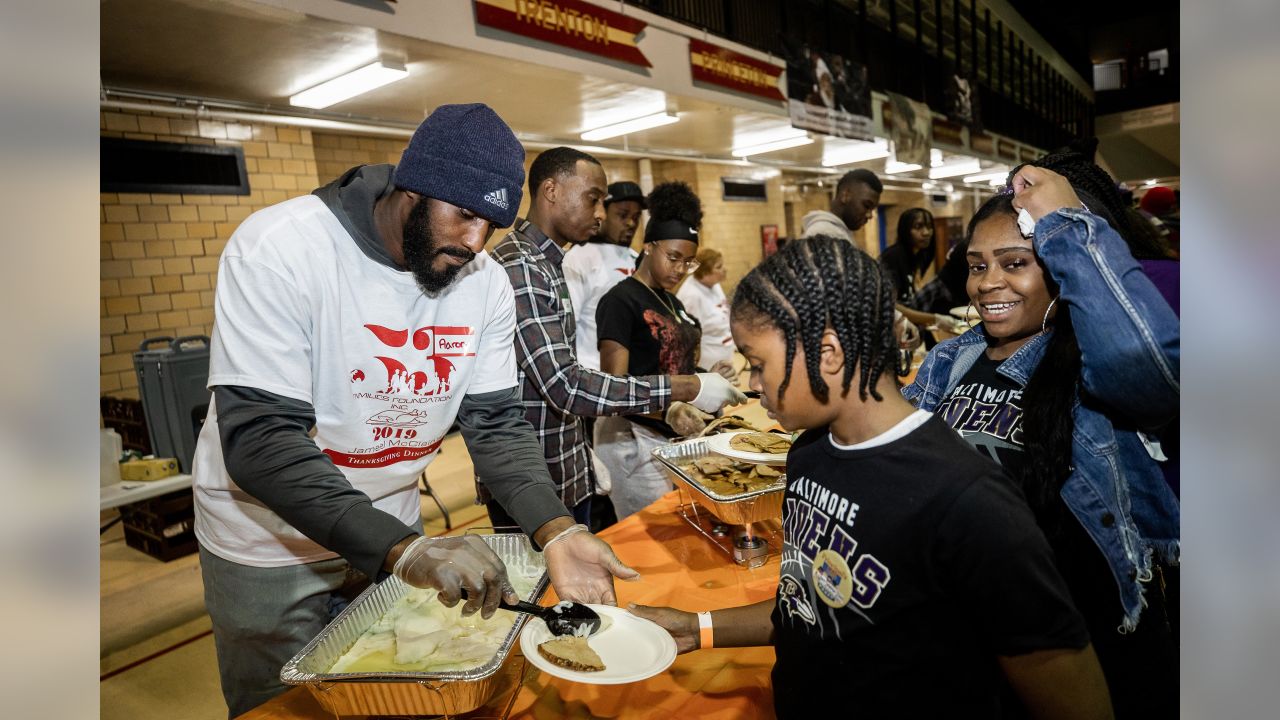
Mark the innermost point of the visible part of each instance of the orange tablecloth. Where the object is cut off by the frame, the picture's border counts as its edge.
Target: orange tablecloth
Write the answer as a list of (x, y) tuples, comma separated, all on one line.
[(678, 568)]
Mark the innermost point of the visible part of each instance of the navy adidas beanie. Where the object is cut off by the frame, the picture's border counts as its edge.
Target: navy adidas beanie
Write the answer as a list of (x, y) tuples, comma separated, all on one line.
[(466, 155)]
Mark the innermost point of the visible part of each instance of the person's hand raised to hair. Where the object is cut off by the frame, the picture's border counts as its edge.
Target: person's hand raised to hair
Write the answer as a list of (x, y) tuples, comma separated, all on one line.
[(1040, 192)]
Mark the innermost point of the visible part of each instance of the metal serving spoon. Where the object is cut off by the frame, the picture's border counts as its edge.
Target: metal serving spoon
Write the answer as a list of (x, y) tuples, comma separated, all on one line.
[(563, 618)]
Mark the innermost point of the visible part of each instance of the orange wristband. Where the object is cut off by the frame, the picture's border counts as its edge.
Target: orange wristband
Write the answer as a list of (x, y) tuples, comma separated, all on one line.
[(706, 638)]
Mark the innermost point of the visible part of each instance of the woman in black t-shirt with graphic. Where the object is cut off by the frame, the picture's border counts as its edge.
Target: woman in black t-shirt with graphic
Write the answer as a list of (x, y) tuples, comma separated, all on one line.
[(644, 329), (913, 575)]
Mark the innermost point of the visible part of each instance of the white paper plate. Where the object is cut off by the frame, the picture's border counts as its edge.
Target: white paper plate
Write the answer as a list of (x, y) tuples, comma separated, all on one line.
[(720, 444), (632, 649)]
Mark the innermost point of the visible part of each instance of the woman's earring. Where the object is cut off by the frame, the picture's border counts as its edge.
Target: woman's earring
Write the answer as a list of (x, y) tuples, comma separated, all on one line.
[(970, 312), (1044, 324)]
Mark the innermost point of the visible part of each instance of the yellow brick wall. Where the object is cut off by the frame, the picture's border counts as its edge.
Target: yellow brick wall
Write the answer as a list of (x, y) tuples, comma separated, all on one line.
[(802, 201), (336, 154), (159, 252)]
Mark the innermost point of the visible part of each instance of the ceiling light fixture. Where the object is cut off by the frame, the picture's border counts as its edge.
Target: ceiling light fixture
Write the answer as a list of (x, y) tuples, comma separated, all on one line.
[(768, 147), (955, 166), (345, 87), (989, 175), (844, 154), (893, 167), (644, 122)]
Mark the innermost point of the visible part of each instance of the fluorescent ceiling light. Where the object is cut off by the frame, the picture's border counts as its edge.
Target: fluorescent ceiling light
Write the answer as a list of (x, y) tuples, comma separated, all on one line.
[(345, 87), (990, 174), (893, 167), (643, 122), (843, 154), (1151, 181), (957, 166), (767, 147)]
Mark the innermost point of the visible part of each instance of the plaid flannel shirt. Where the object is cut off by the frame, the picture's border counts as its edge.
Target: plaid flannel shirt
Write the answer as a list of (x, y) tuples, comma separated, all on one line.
[(557, 391)]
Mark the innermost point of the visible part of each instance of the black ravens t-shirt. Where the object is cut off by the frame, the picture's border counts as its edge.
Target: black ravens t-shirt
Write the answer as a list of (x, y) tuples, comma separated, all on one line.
[(658, 341), (906, 569), (985, 407)]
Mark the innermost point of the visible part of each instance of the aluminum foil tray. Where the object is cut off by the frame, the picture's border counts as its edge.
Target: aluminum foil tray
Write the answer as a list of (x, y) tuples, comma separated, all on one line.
[(738, 509), (408, 693)]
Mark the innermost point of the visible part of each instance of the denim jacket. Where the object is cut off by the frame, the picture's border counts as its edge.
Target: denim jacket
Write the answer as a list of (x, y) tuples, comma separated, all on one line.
[(1129, 345)]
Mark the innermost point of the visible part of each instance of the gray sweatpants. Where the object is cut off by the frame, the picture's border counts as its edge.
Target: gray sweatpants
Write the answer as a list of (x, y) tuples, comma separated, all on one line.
[(637, 479), (262, 617)]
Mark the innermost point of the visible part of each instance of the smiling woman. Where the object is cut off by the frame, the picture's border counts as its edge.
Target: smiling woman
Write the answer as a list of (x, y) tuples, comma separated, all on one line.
[(1007, 282), (1072, 371)]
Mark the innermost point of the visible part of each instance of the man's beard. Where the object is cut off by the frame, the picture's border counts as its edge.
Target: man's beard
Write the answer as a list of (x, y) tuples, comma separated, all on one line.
[(421, 250)]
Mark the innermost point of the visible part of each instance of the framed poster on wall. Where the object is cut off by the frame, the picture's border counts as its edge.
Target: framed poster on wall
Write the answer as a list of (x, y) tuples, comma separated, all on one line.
[(769, 239)]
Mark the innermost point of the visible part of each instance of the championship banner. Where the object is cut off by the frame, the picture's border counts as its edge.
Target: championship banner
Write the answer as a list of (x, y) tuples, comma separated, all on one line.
[(910, 129), (724, 67), (828, 94), (568, 23)]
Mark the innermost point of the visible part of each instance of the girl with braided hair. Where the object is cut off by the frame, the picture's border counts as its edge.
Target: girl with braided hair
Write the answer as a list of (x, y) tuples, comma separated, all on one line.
[(1077, 353), (913, 575)]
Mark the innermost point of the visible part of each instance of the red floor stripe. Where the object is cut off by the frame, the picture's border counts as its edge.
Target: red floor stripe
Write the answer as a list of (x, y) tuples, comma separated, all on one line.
[(153, 656)]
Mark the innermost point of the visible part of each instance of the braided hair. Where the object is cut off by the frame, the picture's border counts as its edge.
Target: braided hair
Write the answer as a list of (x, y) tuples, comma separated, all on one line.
[(1102, 195), (818, 283)]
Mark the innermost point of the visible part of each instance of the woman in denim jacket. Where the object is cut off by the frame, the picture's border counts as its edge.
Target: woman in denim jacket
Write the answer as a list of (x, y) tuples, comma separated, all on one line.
[(1076, 335)]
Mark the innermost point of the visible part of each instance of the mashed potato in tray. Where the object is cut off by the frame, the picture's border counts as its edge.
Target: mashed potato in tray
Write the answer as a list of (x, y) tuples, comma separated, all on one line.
[(418, 634)]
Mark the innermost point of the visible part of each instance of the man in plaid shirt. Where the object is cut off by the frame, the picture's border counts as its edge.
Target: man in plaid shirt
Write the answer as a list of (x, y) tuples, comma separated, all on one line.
[(567, 191)]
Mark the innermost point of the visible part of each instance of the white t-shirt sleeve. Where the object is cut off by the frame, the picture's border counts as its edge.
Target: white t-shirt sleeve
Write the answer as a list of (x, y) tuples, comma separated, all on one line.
[(693, 300), (262, 334), (496, 353), (575, 282)]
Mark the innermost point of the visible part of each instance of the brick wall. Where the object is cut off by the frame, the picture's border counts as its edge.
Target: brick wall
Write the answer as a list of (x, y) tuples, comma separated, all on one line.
[(159, 252), (336, 154)]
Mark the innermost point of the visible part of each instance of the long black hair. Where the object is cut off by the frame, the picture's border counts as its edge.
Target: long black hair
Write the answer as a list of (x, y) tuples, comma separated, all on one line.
[(921, 259), (1048, 400), (1102, 196), (822, 282)]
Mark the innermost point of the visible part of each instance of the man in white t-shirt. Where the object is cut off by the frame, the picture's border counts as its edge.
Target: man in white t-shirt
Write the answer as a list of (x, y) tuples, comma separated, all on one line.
[(353, 326), (592, 268)]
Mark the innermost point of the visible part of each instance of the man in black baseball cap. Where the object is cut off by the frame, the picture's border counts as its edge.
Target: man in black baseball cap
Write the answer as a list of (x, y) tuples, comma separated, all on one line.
[(622, 208)]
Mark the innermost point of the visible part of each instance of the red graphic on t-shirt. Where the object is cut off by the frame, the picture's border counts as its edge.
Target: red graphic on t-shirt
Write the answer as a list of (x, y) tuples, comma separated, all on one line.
[(382, 458), (403, 374), (675, 348)]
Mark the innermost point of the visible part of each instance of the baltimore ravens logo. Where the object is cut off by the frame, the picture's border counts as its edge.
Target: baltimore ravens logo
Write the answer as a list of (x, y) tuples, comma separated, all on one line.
[(791, 600)]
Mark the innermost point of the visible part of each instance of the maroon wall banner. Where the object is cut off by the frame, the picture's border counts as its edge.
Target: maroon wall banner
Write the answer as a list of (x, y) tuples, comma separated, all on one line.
[(568, 23), (726, 68)]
